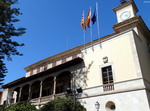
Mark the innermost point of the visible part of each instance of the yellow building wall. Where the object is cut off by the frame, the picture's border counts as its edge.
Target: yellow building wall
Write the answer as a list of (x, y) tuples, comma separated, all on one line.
[(120, 56)]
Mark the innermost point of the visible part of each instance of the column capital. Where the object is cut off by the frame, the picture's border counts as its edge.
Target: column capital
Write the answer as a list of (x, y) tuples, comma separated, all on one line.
[(41, 82)]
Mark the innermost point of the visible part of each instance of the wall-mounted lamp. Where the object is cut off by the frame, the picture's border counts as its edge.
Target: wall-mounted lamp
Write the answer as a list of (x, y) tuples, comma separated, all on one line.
[(74, 93), (97, 105)]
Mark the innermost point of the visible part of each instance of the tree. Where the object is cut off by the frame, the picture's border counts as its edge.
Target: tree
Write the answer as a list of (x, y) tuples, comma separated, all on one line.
[(62, 105), (8, 31), (1, 107), (21, 107)]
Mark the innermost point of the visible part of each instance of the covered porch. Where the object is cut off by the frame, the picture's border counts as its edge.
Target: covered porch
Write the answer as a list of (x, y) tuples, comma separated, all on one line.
[(43, 87)]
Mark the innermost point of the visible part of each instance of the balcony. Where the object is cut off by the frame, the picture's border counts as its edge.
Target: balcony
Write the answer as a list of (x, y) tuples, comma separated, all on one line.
[(45, 99), (108, 87)]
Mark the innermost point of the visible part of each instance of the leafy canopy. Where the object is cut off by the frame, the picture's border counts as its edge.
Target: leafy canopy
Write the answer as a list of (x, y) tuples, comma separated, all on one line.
[(21, 107), (62, 105), (8, 32)]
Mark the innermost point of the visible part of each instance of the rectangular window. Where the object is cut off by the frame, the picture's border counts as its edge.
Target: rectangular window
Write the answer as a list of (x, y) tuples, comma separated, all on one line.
[(38, 69), (63, 60), (74, 56), (54, 64), (107, 75), (45, 67)]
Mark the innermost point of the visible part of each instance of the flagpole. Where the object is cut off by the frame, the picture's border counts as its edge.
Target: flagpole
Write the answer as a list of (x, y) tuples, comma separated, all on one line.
[(84, 36), (98, 24), (91, 29), (84, 40)]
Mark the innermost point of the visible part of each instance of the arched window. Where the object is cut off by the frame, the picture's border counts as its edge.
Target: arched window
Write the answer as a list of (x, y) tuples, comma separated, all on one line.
[(17, 92), (25, 93), (63, 81), (35, 89), (110, 106), (48, 86)]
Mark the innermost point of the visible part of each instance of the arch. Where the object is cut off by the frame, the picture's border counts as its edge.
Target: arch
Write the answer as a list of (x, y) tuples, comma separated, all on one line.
[(110, 106), (25, 92), (48, 86), (16, 93), (63, 81), (35, 89)]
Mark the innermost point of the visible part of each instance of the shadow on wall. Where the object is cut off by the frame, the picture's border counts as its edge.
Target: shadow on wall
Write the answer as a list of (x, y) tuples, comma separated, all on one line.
[(82, 75)]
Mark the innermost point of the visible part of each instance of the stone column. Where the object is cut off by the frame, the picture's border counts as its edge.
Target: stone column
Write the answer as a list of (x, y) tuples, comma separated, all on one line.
[(8, 97), (29, 96), (54, 89), (20, 94), (72, 78), (41, 87)]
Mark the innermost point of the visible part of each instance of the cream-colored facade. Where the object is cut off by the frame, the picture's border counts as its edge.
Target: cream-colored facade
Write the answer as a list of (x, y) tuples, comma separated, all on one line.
[(113, 71)]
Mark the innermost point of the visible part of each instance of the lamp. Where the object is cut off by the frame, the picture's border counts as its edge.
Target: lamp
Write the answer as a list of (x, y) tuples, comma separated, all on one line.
[(69, 91), (97, 105), (79, 89), (74, 93)]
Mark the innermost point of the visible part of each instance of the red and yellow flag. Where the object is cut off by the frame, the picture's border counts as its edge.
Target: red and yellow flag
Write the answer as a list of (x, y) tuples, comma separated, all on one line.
[(83, 24), (88, 19)]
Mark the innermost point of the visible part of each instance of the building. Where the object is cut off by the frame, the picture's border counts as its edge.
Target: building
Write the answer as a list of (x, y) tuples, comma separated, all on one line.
[(114, 71)]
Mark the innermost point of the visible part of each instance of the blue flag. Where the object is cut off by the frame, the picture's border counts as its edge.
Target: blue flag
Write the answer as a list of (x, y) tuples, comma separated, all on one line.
[(93, 18)]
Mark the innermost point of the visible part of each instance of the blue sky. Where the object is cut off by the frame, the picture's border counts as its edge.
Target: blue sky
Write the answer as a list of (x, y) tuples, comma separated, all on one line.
[(51, 23)]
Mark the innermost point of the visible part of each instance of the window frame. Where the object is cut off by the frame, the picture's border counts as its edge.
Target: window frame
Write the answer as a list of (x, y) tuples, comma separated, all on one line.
[(106, 65), (107, 74)]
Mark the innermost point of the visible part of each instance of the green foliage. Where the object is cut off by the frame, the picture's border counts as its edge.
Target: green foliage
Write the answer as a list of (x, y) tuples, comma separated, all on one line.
[(1, 108), (62, 105), (8, 31), (21, 107)]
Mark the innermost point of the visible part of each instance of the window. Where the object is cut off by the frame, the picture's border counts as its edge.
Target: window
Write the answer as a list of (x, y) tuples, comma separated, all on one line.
[(110, 106), (38, 69), (63, 60), (74, 56), (54, 64), (45, 67), (107, 75)]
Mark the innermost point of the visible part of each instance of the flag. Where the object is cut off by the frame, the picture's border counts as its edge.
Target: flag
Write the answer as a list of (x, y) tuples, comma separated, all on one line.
[(83, 24), (88, 19), (93, 18)]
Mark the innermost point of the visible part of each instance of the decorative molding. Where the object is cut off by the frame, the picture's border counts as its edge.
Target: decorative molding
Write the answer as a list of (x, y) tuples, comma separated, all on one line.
[(113, 92), (131, 2)]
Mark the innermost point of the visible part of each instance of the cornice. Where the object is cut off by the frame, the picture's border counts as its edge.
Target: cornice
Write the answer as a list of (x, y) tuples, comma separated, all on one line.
[(125, 24), (131, 23), (126, 4), (54, 57)]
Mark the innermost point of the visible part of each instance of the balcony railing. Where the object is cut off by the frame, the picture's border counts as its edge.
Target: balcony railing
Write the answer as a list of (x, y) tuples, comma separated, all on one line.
[(34, 101), (61, 95), (46, 99), (108, 87), (12, 100)]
